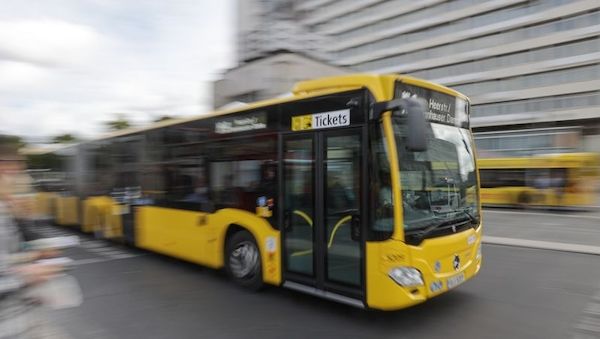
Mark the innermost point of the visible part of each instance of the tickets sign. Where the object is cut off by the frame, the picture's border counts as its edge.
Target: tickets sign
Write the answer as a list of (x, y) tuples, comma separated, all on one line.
[(321, 120)]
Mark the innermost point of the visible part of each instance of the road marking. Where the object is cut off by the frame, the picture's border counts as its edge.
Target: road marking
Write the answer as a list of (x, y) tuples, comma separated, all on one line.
[(89, 261), (106, 250), (89, 244), (577, 216), (109, 252), (544, 245)]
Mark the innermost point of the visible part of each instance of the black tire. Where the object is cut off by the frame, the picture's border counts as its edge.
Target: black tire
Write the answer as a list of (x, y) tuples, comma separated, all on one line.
[(243, 261)]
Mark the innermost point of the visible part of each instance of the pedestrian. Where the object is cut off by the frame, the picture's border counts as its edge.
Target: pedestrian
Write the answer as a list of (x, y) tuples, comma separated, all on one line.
[(21, 194), (21, 316)]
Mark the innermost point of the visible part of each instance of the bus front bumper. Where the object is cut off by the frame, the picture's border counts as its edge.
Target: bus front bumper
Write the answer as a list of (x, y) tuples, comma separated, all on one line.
[(443, 264)]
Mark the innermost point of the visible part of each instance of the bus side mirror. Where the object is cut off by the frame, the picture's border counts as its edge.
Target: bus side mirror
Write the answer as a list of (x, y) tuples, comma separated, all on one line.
[(414, 113), (416, 133)]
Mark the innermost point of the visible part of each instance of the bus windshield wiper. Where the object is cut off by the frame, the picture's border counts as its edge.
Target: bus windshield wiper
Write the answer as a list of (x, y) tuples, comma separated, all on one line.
[(422, 233), (472, 218)]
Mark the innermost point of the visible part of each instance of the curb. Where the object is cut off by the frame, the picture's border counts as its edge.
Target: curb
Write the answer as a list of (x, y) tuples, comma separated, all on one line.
[(542, 245)]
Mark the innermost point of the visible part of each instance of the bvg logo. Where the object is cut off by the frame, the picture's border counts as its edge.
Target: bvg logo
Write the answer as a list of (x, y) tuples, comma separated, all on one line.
[(302, 122)]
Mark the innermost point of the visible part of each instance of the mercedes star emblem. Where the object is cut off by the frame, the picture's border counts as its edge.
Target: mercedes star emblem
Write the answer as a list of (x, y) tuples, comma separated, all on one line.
[(456, 262)]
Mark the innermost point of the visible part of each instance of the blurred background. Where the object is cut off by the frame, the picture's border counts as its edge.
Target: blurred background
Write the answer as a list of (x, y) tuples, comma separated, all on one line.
[(78, 68), (72, 71), (531, 68)]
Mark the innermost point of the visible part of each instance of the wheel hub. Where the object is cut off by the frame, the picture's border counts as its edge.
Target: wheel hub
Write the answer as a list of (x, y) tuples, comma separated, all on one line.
[(243, 260)]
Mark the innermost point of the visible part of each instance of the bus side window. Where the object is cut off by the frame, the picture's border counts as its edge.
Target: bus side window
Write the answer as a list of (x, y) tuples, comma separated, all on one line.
[(487, 178), (185, 184), (243, 170)]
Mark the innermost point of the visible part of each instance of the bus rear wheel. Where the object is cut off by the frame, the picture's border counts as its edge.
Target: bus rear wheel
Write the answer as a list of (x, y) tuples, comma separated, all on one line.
[(243, 262)]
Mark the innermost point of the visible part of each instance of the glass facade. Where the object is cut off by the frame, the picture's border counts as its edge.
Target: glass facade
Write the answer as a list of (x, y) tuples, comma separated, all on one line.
[(547, 104), (585, 73), (498, 39), (528, 142), (566, 50), (527, 58)]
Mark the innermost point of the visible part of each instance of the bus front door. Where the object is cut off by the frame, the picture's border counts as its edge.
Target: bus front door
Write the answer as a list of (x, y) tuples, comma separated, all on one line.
[(322, 184)]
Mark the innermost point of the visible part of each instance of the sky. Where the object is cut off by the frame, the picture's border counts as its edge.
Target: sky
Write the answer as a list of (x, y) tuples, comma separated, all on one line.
[(69, 66)]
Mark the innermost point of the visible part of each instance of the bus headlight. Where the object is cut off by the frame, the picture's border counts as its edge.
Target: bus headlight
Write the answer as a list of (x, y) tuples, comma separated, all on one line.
[(406, 276)]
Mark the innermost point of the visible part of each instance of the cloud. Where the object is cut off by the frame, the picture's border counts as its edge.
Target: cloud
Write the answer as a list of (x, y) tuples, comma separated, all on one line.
[(16, 75), (68, 66), (46, 42)]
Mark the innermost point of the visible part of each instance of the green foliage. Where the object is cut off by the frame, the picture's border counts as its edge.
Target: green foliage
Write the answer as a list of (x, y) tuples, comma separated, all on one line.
[(64, 139), (164, 118), (119, 123), (44, 161), (12, 140)]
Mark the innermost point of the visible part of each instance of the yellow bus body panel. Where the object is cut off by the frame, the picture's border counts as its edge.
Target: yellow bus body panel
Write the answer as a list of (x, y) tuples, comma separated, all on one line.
[(67, 211), (45, 204), (97, 214), (582, 177), (200, 237), (114, 227), (176, 233), (465, 245), (383, 293), (378, 85)]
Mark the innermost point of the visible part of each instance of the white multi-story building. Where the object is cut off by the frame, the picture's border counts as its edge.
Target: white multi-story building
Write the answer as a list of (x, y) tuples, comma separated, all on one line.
[(264, 26), (531, 67)]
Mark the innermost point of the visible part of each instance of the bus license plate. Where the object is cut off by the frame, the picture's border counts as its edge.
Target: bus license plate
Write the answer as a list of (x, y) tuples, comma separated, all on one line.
[(455, 280)]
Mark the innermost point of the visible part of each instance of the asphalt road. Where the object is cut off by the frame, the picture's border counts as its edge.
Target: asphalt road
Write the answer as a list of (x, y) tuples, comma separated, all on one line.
[(520, 293)]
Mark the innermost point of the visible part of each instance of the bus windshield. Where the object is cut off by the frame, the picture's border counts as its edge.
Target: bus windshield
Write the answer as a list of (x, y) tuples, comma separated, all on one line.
[(439, 185)]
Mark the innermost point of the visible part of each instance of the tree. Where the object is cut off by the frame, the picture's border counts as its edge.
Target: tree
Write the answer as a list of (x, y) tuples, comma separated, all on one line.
[(64, 139), (164, 117), (119, 123), (12, 139), (44, 161)]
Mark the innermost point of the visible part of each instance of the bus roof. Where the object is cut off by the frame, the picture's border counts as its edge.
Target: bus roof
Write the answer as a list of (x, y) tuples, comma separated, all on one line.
[(380, 86), (373, 82)]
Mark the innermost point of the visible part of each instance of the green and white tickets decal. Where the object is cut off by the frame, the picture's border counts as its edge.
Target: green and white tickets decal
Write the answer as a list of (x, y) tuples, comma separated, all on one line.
[(321, 120)]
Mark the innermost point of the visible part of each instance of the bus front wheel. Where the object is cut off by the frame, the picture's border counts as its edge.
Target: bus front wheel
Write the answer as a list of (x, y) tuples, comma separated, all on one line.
[(242, 260)]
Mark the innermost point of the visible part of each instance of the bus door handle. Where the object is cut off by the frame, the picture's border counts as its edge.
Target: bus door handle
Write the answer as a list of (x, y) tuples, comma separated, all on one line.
[(355, 227)]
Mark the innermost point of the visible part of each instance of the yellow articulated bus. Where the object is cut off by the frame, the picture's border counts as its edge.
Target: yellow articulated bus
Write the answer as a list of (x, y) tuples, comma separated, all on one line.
[(362, 189), (568, 180)]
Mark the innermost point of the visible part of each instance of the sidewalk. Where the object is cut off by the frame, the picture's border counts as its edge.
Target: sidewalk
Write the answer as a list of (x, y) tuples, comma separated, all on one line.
[(544, 229)]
